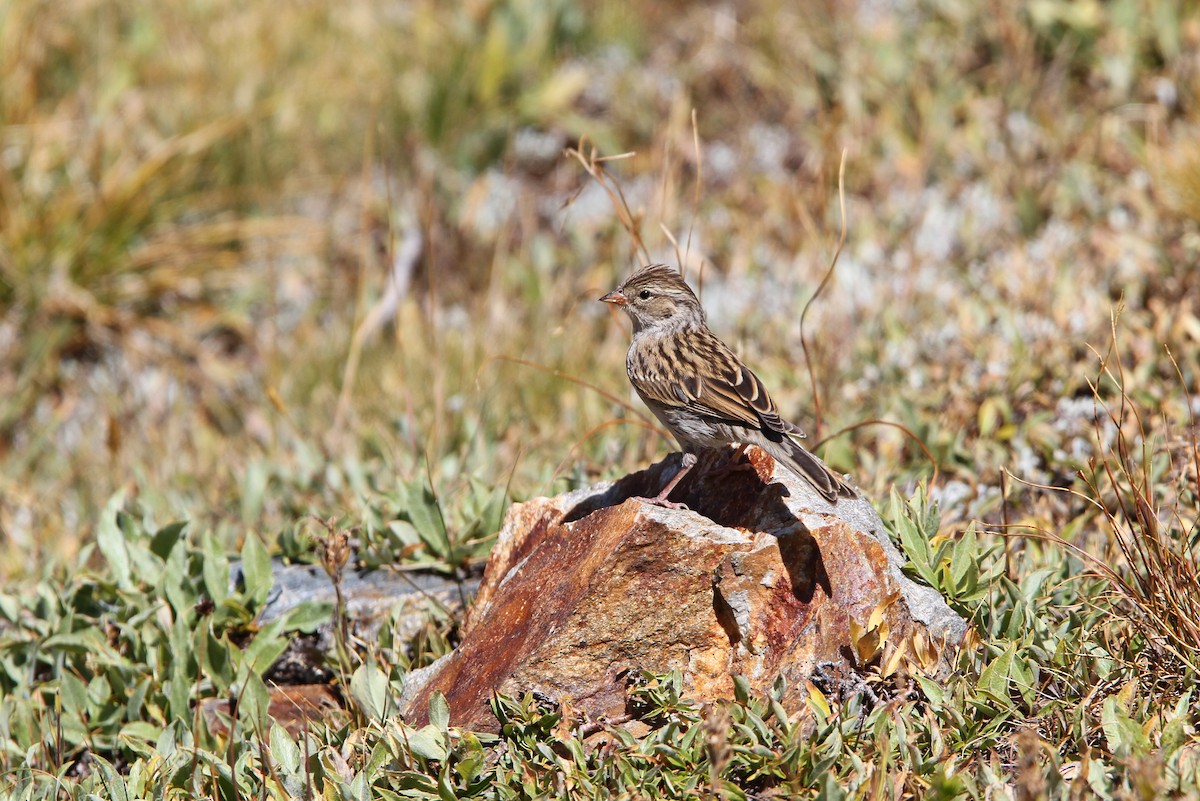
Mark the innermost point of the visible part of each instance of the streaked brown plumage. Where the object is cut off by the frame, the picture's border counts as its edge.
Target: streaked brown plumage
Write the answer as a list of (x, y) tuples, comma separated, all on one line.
[(698, 387)]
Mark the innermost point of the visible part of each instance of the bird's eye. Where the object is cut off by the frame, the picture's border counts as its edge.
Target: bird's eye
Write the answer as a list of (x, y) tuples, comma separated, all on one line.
[(644, 294)]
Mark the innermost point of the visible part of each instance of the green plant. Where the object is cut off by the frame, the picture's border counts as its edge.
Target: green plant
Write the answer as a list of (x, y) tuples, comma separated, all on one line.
[(109, 666)]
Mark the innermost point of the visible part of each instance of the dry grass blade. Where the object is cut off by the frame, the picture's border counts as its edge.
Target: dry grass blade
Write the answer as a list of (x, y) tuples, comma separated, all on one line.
[(593, 164), (812, 378), (608, 396)]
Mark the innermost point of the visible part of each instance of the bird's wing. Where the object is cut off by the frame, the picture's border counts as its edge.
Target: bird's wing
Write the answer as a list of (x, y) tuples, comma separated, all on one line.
[(712, 381)]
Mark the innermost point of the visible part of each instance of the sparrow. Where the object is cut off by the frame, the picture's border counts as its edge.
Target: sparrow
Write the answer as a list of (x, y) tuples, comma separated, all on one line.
[(699, 389)]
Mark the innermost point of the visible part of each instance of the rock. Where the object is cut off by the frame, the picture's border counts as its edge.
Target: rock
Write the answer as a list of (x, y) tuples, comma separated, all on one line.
[(371, 595), (408, 599), (297, 708), (300, 695), (759, 577)]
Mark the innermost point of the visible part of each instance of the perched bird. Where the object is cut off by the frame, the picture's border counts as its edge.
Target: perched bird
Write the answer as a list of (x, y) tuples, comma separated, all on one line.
[(699, 388)]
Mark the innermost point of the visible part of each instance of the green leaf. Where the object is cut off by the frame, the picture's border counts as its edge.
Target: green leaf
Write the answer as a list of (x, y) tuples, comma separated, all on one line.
[(994, 680), (369, 687), (10, 607), (256, 569), (254, 702), (380, 757), (1124, 735), (99, 691), (140, 730), (1175, 732), (741, 689), (360, 788), (165, 539), (426, 743), (1022, 678), (215, 568), (422, 509), (307, 616), (831, 790), (469, 767), (253, 489), (933, 691), (141, 561), (217, 662), (284, 751), (172, 738), (265, 648), (1032, 584), (113, 782), (134, 706), (74, 694), (964, 560), (417, 785), (80, 642), (780, 715), (172, 582), (439, 711), (111, 541), (913, 524)]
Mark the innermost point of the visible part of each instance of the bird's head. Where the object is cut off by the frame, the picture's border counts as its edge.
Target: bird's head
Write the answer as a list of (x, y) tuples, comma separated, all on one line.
[(656, 297)]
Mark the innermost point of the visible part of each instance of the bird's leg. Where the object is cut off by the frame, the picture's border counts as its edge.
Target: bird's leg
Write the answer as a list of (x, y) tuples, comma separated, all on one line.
[(689, 461)]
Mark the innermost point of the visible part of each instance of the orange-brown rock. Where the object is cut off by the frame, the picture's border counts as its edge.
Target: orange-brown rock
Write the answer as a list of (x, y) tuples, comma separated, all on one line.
[(758, 577), (297, 707)]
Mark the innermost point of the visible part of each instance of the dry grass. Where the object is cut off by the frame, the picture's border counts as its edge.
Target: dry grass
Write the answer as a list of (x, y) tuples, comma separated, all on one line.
[(1149, 497)]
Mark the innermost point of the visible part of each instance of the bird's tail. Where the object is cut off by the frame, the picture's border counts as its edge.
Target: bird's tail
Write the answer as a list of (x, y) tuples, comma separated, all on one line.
[(812, 470)]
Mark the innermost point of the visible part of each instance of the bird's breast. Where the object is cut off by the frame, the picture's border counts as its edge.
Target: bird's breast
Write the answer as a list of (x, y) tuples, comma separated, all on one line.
[(659, 356), (640, 360)]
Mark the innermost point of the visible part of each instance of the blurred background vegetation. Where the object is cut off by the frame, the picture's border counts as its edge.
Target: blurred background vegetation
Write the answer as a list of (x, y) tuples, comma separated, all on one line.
[(202, 202)]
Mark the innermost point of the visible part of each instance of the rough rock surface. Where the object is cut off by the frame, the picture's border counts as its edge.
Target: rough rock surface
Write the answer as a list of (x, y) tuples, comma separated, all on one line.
[(758, 577), (298, 682), (407, 600)]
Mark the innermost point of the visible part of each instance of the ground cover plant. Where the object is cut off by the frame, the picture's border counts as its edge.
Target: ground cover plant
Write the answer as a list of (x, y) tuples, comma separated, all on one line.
[(261, 263)]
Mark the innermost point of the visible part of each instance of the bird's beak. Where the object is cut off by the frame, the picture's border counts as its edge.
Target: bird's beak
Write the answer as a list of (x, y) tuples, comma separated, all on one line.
[(616, 298)]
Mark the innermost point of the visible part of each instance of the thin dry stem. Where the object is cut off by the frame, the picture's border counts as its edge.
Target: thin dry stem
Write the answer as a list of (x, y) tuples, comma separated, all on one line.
[(593, 164), (608, 396), (1160, 578), (812, 378)]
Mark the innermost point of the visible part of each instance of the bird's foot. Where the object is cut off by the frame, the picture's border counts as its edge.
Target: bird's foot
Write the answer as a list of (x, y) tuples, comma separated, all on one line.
[(687, 462), (659, 500)]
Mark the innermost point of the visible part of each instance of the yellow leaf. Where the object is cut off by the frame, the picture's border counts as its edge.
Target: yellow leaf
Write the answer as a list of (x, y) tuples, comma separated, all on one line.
[(496, 63), (816, 699), (867, 647), (1126, 695), (881, 609), (893, 662)]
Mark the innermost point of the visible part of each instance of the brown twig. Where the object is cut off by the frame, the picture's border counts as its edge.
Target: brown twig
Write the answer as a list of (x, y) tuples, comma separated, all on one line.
[(593, 164), (608, 396)]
